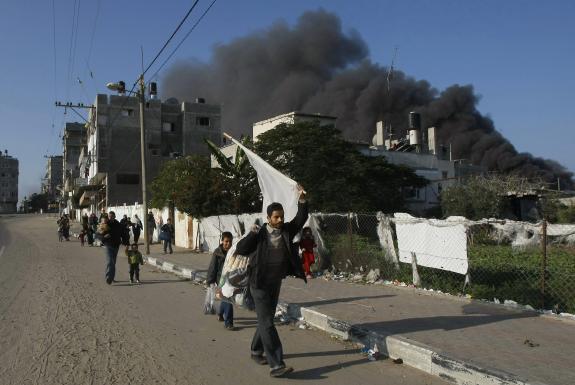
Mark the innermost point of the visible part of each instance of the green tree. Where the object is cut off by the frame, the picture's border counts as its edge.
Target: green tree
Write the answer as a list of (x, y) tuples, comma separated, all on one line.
[(480, 196), (38, 202), (241, 189), (191, 185), (336, 176)]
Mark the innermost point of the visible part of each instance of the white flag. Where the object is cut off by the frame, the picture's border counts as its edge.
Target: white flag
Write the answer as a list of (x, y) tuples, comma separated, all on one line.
[(275, 186)]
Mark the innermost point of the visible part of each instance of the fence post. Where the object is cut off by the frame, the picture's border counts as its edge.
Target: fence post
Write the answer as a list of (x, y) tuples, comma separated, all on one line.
[(543, 262), (350, 235)]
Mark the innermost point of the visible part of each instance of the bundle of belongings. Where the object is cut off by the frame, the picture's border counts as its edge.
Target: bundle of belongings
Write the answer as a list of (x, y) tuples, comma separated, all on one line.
[(234, 282)]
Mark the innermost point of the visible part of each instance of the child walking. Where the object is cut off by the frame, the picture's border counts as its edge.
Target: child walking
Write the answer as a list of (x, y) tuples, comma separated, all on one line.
[(307, 244), (82, 237), (226, 311), (135, 259)]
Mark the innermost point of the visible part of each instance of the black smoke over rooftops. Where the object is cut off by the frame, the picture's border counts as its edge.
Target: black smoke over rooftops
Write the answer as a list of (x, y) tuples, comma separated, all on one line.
[(316, 67)]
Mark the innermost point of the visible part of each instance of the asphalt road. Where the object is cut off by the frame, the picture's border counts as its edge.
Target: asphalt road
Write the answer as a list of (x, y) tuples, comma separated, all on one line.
[(60, 323)]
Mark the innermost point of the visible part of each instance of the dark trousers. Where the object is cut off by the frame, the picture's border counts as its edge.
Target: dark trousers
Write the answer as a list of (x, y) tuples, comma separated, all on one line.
[(168, 245), (266, 339), (227, 312), (134, 270), (136, 236), (90, 237), (111, 255)]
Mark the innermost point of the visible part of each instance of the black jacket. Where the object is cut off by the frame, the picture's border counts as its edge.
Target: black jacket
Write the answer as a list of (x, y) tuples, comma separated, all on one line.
[(216, 266), (115, 231), (258, 242)]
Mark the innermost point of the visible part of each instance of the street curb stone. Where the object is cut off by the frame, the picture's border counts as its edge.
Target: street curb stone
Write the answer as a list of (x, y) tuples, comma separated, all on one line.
[(412, 353)]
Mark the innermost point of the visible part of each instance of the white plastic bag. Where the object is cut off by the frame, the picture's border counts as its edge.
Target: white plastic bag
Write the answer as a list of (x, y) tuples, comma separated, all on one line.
[(209, 307)]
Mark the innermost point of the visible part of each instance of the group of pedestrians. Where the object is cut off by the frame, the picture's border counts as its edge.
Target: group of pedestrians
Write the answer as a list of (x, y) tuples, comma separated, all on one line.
[(273, 257), (63, 228)]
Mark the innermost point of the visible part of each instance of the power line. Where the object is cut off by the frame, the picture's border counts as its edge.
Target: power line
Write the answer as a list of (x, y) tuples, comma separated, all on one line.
[(184, 39), (55, 72), (171, 37), (153, 61), (73, 42)]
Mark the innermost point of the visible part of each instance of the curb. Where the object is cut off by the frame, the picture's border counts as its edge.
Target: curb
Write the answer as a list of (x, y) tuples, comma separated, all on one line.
[(412, 353)]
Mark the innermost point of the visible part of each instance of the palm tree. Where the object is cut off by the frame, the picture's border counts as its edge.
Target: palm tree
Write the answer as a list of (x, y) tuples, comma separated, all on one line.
[(242, 187)]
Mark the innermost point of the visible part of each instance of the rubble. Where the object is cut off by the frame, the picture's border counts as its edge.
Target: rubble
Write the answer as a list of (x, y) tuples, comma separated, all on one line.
[(373, 275)]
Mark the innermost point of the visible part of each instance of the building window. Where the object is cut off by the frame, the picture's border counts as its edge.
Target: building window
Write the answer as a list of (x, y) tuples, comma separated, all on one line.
[(168, 127), (127, 178), (411, 193), (127, 112), (202, 121)]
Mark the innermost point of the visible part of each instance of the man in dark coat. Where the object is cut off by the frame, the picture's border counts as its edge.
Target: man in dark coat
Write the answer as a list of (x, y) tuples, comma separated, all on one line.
[(112, 239), (226, 311), (275, 258), (126, 224)]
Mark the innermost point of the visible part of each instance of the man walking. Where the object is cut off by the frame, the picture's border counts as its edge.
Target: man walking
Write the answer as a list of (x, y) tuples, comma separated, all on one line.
[(151, 222), (111, 238), (276, 257)]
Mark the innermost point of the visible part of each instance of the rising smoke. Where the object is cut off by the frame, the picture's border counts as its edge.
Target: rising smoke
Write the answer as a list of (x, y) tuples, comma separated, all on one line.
[(314, 67)]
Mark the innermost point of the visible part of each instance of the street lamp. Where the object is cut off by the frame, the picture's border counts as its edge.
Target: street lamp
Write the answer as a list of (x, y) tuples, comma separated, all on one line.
[(121, 88)]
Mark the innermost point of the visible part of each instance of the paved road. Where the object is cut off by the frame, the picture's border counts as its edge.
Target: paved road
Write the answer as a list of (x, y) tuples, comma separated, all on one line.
[(61, 324)]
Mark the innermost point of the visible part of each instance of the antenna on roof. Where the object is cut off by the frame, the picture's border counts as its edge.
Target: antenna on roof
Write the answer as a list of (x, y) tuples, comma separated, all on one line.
[(390, 72)]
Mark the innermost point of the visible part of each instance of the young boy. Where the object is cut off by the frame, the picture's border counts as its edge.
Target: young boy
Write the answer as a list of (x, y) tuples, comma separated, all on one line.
[(135, 259), (226, 311)]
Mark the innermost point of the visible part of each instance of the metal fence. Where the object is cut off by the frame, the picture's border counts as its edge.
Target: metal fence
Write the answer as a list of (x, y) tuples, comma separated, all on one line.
[(516, 261)]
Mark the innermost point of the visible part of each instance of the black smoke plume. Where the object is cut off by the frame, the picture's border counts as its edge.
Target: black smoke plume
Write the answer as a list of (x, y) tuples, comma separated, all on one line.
[(315, 67)]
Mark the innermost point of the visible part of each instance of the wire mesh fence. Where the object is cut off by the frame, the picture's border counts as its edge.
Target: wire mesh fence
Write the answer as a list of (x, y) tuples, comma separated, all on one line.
[(531, 264)]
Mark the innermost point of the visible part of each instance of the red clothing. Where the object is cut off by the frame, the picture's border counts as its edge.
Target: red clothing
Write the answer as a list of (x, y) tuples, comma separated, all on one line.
[(308, 259)]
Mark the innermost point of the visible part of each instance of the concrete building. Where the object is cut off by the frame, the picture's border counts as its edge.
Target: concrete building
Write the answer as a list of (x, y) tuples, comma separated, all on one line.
[(290, 118), (8, 183), (53, 181), (258, 128), (53, 178), (111, 161), (74, 142), (420, 151)]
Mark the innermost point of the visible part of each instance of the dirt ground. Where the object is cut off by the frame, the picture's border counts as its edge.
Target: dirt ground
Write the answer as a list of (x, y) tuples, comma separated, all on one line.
[(60, 323)]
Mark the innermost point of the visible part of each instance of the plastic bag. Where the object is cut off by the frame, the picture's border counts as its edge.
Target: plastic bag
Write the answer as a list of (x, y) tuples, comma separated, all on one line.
[(209, 307), (242, 297)]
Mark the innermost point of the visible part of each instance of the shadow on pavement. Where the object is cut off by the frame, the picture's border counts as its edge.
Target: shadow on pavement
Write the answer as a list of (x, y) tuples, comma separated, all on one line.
[(473, 316), (339, 300), (320, 373), (149, 282), (323, 354)]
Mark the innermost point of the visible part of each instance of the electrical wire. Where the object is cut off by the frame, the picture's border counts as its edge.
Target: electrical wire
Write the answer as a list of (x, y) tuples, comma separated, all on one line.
[(184, 39), (153, 61), (171, 37), (51, 141)]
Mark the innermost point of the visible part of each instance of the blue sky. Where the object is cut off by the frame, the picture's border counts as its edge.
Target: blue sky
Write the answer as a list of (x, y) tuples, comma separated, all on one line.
[(519, 56)]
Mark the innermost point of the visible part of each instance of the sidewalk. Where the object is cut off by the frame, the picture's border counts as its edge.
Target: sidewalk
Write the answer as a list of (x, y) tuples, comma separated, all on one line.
[(460, 340)]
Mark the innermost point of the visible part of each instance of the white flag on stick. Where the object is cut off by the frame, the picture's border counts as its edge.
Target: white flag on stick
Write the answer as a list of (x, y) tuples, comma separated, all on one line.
[(275, 186)]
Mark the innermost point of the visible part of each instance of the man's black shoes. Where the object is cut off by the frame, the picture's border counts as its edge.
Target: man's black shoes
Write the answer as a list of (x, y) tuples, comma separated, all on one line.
[(281, 371), (260, 360)]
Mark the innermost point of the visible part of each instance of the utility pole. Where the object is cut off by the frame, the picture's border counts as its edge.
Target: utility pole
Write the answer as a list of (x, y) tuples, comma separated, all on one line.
[(143, 156)]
